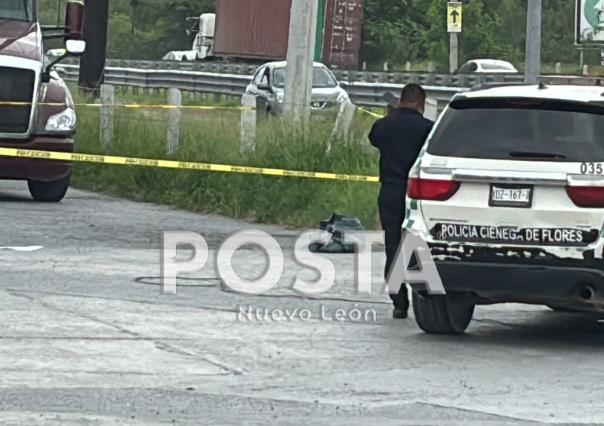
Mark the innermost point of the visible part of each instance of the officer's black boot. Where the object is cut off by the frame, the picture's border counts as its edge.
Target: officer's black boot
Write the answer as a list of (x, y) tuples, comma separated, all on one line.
[(401, 303)]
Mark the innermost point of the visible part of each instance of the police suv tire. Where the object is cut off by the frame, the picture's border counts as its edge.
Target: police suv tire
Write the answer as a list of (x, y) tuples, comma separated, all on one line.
[(447, 314), (52, 191)]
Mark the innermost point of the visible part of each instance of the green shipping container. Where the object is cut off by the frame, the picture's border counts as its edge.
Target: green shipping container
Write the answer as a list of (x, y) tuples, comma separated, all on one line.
[(320, 31)]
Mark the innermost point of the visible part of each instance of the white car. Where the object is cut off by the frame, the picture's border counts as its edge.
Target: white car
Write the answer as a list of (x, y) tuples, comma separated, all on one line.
[(509, 194), (487, 66), (268, 86)]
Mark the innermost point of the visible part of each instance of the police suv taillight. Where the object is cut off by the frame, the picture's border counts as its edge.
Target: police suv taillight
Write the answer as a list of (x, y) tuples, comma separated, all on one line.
[(431, 189), (586, 196)]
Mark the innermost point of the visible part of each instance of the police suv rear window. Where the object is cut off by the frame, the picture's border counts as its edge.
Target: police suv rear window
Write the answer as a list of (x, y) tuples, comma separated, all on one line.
[(521, 129)]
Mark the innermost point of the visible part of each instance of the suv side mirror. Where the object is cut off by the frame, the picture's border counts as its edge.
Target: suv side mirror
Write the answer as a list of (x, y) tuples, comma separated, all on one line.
[(74, 23)]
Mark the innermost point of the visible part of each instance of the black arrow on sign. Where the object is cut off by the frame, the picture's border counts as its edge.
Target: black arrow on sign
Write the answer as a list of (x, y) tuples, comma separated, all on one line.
[(455, 14)]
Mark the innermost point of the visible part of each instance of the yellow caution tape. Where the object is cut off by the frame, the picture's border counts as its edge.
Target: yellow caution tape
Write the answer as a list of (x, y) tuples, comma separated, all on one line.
[(158, 106), (373, 114), (134, 106), (169, 164)]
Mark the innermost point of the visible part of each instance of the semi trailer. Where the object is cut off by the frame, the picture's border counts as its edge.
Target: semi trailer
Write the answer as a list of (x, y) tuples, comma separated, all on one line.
[(258, 30)]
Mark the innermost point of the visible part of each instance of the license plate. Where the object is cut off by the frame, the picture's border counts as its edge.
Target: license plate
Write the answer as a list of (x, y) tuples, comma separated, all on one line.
[(511, 196)]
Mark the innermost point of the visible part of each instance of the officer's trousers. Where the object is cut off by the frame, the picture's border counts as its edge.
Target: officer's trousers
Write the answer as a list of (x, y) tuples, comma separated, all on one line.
[(391, 203)]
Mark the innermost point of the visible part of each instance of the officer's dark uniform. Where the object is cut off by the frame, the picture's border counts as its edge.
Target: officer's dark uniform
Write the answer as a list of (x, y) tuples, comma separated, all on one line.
[(399, 137)]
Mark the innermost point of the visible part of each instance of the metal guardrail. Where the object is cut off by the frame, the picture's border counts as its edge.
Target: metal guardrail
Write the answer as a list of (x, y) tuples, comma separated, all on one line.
[(368, 94), (188, 81), (428, 79), (198, 66), (362, 94), (371, 94)]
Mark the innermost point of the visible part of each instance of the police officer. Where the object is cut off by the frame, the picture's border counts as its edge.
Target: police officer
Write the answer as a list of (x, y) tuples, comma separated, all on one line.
[(399, 137)]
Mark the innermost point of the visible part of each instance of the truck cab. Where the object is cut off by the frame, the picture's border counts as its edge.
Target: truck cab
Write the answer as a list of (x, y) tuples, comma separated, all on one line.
[(36, 108), (204, 40), (203, 44)]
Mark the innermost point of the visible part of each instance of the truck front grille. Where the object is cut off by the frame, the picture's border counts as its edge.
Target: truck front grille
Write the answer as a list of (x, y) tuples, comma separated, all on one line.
[(16, 85)]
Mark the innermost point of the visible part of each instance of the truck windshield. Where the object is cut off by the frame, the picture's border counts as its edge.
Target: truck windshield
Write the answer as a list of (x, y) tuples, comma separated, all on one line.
[(322, 78), (16, 10), (517, 129)]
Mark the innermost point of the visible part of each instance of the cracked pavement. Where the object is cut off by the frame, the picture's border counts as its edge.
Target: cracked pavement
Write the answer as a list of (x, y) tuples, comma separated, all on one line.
[(87, 338)]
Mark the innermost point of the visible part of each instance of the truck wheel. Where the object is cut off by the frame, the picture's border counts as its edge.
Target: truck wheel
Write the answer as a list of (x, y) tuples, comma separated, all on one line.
[(53, 191), (448, 314)]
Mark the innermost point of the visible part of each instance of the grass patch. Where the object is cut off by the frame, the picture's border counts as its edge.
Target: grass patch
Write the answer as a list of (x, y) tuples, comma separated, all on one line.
[(213, 137)]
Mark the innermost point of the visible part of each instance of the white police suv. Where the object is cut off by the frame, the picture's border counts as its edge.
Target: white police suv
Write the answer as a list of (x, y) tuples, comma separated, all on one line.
[(509, 194)]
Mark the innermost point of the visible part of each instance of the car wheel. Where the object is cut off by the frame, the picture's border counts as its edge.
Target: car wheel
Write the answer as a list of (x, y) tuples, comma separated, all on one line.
[(52, 191), (447, 314)]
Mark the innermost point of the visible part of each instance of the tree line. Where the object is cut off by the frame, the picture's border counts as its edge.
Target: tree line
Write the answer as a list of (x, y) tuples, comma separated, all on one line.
[(415, 30), (394, 31)]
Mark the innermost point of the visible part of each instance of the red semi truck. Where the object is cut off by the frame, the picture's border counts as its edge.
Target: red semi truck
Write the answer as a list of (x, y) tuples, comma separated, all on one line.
[(258, 30), (36, 108)]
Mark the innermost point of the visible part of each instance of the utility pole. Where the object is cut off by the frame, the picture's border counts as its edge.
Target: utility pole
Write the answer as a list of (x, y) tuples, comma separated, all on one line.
[(300, 55), (533, 42), (453, 52), (92, 63)]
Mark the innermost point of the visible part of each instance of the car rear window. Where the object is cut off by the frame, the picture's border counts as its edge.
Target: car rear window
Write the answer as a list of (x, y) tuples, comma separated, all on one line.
[(512, 129)]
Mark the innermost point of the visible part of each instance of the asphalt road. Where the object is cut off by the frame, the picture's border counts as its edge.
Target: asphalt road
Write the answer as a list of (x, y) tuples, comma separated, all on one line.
[(86, 340)]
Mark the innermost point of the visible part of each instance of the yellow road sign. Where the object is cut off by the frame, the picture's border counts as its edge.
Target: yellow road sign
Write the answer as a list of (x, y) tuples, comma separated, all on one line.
[(454, 17)]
